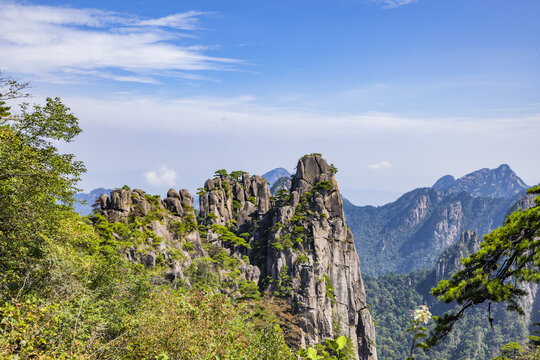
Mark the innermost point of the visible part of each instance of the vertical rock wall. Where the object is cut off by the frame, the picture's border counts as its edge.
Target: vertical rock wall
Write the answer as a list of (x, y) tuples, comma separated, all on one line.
[(319, 263)]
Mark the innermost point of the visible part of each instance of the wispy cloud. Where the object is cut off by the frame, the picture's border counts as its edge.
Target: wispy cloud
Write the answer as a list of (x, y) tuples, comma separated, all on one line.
[(247, 115), (184, 21), (45, 40), (162, 176), (380, 165), (390, 4)]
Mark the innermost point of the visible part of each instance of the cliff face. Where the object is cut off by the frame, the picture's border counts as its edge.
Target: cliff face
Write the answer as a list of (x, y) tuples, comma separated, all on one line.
[(449, 261), (296, 247), (312, 260)]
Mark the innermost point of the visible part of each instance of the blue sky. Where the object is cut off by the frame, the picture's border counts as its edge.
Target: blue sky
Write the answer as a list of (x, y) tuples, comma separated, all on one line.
[(395, 93)]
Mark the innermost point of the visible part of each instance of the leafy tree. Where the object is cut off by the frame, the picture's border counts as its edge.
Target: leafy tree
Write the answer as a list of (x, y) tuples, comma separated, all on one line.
[(36, 184), (508, 257)]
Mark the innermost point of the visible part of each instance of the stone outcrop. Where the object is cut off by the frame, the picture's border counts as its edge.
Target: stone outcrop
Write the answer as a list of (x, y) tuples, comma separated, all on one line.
[(224, 200), (449, 261), (295, 246), (313, 262)]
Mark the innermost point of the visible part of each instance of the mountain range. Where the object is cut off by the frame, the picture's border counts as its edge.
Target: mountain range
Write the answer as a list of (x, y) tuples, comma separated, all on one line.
[(411, 232), (404, 248)]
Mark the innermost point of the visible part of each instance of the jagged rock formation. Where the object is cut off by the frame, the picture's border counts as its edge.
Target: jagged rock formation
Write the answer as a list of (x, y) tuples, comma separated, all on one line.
[(501, 182), (312, 260), (302, 247), (295, 246), (167, 232)]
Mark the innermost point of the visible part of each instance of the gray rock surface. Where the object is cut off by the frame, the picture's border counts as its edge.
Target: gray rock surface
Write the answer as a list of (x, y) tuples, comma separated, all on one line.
[(322, 269), (297, 247)]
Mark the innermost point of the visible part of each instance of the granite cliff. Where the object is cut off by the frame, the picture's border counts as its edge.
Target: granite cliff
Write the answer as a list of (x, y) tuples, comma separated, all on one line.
[(295, 246)]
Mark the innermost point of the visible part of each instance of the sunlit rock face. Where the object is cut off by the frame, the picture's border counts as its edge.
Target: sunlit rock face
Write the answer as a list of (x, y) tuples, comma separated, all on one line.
[(312, 258), (295, 246)]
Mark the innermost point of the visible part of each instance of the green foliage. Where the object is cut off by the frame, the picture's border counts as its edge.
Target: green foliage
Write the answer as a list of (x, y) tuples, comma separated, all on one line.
[(249, 290), (67, 289), (420, 317), (228, 236), (211, 216), (188, 246), (237, 175), (222, 174), (36, 184), (393, 296), (283, 284), (312, 154), (330, 291), (323, 186), (340, 348), (282, 198), (508, 256)]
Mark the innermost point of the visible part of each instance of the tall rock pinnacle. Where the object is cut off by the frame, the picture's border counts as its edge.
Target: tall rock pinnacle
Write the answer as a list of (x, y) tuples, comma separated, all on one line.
[(313, 261)]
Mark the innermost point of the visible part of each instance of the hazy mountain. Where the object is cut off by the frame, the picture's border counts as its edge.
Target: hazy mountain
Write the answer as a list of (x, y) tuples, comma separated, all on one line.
[(410, 233), (273, 175), (85, 200), (501, 182)]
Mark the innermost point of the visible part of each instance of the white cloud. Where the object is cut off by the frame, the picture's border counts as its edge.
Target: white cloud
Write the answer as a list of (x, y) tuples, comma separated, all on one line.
[(45, 40), (246, 116), (381, 165), (390, 4), (183, 21), (162, 176)]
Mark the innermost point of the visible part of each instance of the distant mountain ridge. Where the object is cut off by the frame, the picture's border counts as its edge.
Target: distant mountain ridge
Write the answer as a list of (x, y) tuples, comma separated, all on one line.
[(86, 200), (410, 233), (273, 175), (501, 182)]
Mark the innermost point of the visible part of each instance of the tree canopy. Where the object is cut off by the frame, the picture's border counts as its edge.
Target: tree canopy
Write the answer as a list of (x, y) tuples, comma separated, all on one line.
[(508, 257), (36, 181)]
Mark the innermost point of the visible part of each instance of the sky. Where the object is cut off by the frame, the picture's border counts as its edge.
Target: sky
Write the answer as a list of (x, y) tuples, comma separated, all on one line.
[(394, 93)]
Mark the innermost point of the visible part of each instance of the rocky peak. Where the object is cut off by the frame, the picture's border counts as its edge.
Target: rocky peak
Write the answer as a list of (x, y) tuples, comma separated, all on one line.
[(313, 262), (444, 183), (501, 182), (296, 246)]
